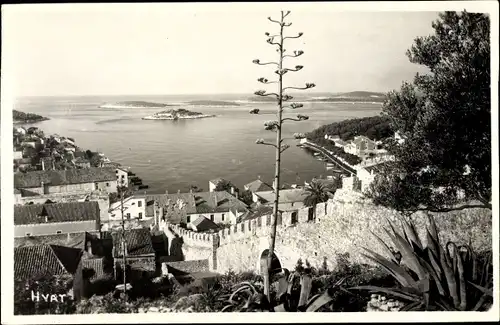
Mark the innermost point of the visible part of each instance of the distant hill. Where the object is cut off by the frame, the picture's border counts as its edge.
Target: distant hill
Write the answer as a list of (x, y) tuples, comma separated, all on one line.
[(21, 117), (354, 96), (134, 104), (212, 103)]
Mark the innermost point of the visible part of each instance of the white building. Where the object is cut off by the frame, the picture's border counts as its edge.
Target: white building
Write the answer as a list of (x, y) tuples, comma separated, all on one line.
[(134, 207), (122, 177)]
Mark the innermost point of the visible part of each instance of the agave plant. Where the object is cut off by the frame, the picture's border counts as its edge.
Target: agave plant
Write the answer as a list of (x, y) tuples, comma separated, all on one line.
[(434, 277), (248, 297)]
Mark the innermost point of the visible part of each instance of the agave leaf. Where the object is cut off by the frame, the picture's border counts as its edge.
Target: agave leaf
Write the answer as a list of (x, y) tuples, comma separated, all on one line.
[(226, 308), (433, 274), (461, 279), (242, 289), (432, 244), (392, 268), (290, 283), (280, 308), (484, 290), (480, 302), (411, 233), (248, 284), (282, 286), (450, 277), (383, 244), (435, 265), (306, 286), (444, 305), (414, 306), (319, 301), (433, 228), (391, 291), (410, 257)]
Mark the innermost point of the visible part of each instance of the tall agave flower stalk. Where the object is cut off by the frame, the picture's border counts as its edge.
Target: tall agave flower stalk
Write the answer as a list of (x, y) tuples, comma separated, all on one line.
[(281, 97)]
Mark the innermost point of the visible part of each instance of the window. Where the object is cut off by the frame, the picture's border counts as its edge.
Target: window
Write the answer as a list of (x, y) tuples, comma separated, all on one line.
[(212, 217), (140, 215), (139, 204), (107, 184), (96, 185), (128, 215), (188, 218), (223, 217), (294, 217), (310, 214), (59, 232)]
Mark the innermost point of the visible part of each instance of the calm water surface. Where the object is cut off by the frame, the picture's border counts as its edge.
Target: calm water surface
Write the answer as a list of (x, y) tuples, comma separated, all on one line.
[(172, 155)]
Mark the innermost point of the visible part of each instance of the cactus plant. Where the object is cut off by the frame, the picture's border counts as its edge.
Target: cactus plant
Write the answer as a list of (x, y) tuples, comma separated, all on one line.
[(434, 277), (248, 297)]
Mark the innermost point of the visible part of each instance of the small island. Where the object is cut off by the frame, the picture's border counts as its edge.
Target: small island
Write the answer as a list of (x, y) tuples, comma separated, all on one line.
[(212, 103), (176, 114), (19, 117), (134, 104)]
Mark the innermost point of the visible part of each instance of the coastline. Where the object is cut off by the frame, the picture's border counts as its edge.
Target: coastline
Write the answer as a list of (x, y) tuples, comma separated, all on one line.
[(178, 118), (18, 122)]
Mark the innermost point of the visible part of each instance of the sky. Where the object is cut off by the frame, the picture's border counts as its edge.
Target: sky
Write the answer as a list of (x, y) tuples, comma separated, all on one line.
[(197, 49)]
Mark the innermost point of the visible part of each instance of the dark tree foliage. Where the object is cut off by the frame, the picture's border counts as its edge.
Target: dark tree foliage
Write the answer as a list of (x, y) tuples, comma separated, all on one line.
[(373, 127), (21, 116), (444, 118)]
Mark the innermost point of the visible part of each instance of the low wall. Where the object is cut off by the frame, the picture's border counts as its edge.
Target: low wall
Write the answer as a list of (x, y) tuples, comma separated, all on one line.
[(188, 266)]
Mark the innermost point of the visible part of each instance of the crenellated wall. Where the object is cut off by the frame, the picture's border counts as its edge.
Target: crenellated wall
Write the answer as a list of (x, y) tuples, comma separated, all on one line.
[(341, 225), (194, 246)]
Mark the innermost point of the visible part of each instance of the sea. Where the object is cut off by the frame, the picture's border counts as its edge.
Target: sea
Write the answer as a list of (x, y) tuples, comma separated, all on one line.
[(174, 155)]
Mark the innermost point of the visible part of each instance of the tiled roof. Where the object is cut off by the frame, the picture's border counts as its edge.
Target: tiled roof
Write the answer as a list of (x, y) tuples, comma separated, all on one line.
[(63, 177), (97, 265), (202, 223), (177, 205), (75, 240), (40, 260), (214, 202), (138, 242), (258, 212), (55, 212), (258, 186), (285, 196)]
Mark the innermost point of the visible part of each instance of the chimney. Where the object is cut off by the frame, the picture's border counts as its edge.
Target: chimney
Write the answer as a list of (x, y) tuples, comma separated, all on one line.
[(178, 191), (46, 218), (43, 165), (166, 192), (258, 177), (215, 198), (89, 247), (191, 190)]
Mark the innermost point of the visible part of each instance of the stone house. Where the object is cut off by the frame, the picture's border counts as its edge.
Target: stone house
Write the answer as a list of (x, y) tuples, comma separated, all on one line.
[(122, 176), (139, 253), (134, 207), (212, 184), (202, 224), (56, 218), (361, 146), (67, 181), (219, 207), (257, 186), (366, 175), (289, 199)]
